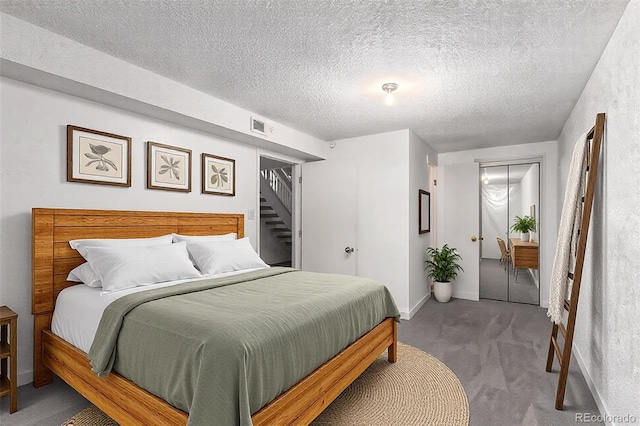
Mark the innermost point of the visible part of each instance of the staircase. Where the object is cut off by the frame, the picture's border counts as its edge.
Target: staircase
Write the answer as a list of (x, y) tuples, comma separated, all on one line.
[(275, 204)]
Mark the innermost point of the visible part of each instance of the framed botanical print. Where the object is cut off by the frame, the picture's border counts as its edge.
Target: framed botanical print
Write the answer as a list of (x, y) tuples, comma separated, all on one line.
[(168, 167), (98, 157), (218, 175)]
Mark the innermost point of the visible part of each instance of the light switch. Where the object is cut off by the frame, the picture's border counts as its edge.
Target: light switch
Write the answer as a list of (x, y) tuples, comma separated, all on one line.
[(251, 214)]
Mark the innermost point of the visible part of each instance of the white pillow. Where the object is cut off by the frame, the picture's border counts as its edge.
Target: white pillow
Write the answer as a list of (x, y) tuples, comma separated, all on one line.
[(85, 274), (81, 245), (204, 238), (216, 257), (126, 267)]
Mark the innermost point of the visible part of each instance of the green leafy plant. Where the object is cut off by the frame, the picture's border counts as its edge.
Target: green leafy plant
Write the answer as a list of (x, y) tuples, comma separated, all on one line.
[(524, 224), (219, 176), (442, 264)]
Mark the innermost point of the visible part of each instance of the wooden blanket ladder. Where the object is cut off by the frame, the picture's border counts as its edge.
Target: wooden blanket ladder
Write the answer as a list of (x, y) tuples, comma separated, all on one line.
[(592, 147)]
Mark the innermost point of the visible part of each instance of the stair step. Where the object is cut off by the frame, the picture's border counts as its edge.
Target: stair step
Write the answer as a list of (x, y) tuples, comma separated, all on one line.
[(280, 230), (266, 208), (284, 235), (274, 222), (267, 215), (262, 200)]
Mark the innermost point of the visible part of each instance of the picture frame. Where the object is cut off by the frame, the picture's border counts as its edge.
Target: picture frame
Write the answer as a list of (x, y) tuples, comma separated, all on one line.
[(97, 157), (168, 167), (218, 175), (424, 211)]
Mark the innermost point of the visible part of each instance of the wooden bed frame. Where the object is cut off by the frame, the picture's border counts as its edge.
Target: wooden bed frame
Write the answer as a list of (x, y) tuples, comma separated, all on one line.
[(120, 398)]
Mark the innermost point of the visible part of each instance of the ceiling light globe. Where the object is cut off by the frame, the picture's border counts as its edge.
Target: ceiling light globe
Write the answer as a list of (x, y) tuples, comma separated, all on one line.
[(389, 99), (389, 88)]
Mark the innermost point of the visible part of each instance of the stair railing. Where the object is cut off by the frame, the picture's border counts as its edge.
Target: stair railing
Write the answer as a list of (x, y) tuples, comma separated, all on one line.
[(280, 188), (285, 176)]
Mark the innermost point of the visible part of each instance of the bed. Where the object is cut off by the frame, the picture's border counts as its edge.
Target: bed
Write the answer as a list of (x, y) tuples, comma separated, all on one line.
[(119, 397)]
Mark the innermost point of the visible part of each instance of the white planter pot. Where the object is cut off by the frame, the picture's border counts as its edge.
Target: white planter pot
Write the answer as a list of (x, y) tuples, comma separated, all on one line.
[(524, 237), (442, 291)]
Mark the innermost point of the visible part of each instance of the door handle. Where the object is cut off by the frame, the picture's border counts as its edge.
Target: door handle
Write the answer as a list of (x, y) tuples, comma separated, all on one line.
[(474, 238), (349, 249)]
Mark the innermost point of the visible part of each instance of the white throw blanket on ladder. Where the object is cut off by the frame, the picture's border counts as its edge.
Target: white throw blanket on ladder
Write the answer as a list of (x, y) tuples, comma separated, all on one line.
[(570, 218)]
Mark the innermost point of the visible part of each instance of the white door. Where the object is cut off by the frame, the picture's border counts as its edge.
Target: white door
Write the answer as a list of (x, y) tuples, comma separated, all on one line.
[(329, 214), (461, 224)]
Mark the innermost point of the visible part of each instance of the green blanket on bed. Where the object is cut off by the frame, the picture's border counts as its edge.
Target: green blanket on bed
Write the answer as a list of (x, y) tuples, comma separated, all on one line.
[(221, 349)]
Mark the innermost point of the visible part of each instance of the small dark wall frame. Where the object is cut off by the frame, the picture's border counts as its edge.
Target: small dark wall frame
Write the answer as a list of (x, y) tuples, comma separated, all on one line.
[(98, 157), (424, 211)]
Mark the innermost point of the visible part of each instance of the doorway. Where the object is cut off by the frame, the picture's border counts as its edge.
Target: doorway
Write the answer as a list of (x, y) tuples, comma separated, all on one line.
[(509, 260), (277, 216)]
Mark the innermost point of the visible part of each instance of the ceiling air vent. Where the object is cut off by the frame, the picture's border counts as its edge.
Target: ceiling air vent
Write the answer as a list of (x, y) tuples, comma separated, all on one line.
[(258, 126)]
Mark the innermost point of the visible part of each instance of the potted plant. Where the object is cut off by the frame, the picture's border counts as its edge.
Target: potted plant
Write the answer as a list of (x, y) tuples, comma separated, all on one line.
[(442, 266), (524, 225)]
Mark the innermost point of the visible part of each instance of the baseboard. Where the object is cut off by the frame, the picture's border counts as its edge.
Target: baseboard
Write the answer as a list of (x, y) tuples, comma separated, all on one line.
[(408, 315), (467, 295), (25, 377), (592, 387)]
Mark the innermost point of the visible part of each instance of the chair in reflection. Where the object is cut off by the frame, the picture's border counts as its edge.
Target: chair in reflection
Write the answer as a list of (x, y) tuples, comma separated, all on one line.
[(505, 259)]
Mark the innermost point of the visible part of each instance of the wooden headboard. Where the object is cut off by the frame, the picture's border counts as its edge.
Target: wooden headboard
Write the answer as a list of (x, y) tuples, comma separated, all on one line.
[(53, 258)]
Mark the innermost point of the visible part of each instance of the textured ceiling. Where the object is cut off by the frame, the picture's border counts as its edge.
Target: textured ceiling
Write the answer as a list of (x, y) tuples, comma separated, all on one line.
[(472, 73)]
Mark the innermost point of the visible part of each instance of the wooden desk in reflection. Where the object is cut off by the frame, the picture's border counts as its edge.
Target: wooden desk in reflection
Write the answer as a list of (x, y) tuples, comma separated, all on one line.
[(523, 254)]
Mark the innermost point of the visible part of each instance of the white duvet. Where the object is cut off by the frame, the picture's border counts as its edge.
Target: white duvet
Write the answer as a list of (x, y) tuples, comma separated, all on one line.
[(79, 308)]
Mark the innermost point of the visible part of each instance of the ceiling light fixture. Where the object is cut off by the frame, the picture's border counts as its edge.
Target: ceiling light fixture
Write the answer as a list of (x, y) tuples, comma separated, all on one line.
[(389, 88)]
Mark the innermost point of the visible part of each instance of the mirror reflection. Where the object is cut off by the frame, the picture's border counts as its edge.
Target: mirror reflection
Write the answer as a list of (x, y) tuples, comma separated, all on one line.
[(509, 257)]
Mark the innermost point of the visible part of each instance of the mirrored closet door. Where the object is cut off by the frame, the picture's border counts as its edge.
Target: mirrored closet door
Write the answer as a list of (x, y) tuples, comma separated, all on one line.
[(509, 258)]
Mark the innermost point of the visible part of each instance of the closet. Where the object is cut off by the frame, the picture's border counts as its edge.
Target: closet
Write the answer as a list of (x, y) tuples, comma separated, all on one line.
[(509, 260)]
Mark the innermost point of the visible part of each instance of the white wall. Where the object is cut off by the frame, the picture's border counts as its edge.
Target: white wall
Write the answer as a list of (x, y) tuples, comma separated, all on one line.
[(607, 338), (33, 174), (530, 194), (548, 204), (420, 156)]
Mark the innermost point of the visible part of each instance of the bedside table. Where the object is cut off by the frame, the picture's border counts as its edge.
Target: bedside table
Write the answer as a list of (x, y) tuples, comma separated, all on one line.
[(9, 356)]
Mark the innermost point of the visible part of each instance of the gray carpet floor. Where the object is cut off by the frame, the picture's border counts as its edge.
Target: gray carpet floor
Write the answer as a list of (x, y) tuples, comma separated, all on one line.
[(498, 284), (497, 350)]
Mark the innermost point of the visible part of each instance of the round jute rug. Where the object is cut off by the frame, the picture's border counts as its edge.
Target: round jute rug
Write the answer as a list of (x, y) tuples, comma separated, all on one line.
[(416, 390)]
